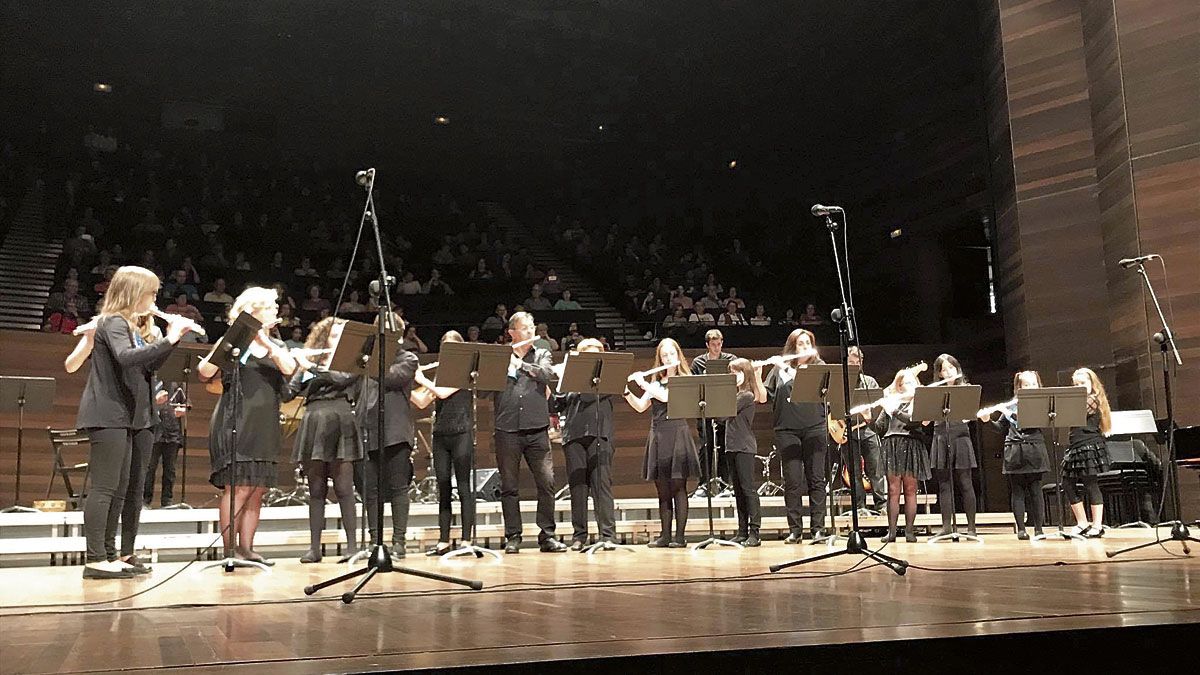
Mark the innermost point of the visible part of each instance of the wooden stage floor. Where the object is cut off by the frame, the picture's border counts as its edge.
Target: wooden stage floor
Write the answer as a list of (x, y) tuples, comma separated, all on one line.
[(545, 607)]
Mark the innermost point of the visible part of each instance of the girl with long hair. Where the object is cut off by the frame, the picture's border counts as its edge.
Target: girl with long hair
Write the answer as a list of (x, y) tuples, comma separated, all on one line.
[(905, 459), (249, 404), (671, 457), (1025, 458), (117, 411), (1087, 455), (327, 443), (953, 454), (741, 446)]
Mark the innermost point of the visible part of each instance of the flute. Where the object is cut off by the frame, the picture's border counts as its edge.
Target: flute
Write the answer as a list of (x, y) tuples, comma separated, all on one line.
[(860, 409), (171, 318), (999, 407), (522, 343), (644, 373), (789, 357)]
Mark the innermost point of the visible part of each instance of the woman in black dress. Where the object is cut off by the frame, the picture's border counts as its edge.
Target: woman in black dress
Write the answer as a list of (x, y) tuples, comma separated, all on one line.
[(742, 447), (905, 457), (1025, 458), (953, 454), (453, 447), (249, 404), (327, 444), (1087, 456), (117, 411), (671, 457)]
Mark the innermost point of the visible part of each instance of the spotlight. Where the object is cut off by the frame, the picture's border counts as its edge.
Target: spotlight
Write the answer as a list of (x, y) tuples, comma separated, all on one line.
[(599, 127), (102, 88), (895, 234), (441, 119), (733, 163)]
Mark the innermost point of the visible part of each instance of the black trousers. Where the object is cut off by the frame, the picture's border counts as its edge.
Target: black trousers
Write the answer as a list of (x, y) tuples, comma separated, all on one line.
[(397, 468), (589, 466), (534, 447), (167, 452), (745, 492), (805, 460), (452, 453), (869, 450), (117, 460)]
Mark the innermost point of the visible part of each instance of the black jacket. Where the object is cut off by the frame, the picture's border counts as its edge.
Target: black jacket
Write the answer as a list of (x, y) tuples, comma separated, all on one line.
[(397, 383), (586, 415), (119, 393), (522, 406)]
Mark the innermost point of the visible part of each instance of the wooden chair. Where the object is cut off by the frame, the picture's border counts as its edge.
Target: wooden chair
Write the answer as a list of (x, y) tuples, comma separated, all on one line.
[(63, 441)]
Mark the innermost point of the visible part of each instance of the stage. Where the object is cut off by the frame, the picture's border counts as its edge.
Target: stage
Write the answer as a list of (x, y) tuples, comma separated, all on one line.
[(653, 610)]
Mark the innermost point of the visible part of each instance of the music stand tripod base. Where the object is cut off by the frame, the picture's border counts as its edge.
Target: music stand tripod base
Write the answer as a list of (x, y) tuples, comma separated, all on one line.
[(1136, 523), (470, 549), (605, 545), (231, 564), (1065, 535), (1179, 533)]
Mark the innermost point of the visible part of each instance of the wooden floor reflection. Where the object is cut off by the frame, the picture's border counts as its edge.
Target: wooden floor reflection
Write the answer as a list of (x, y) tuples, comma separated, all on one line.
[(557, 606)]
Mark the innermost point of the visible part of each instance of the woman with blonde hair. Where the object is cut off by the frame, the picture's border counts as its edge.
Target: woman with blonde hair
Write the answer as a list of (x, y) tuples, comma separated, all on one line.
[(1087, 455), (117, 411), (249, 404), (671, 457), (328, 442), (905, 456)]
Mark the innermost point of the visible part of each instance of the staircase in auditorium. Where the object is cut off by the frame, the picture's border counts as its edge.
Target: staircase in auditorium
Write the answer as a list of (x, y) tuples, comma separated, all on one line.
[(27, 262), (625, 334)]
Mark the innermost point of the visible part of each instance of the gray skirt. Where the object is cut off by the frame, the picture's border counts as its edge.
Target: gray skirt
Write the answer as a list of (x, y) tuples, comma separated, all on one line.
[(328, 433)]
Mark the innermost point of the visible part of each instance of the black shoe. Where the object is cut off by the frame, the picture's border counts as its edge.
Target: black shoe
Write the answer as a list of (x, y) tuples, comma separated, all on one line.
[(254, 556), (552, 546), (751, 540), (794, 538), (1037, 532), (397, 550), (346, 558), (1022, 535), (1094, 532), (678, 542), (94, 573), (739, 538), (972, 531), (889, 537), (910, 536), (661, 542), (513, 545), (311, 557), (577, 545), (437, 549), (136, 565), (818, 535)]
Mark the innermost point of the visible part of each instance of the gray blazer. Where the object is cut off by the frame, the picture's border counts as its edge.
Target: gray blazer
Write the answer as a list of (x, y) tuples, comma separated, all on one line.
[(119, 393)]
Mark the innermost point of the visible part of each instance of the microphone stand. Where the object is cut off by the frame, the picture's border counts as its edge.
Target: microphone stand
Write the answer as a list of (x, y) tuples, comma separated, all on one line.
[(380, 560), (856, 543), (1166, 345)]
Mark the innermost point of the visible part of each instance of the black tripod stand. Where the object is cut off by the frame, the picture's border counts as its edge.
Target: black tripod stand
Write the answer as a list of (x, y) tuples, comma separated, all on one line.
[(704, 397), (856, 543), (380, 560), (1166, 346)]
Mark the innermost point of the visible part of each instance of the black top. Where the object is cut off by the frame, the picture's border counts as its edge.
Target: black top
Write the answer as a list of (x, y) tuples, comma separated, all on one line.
[(119, 393), (866, 430), (805, 419), (586, 415), (522, 406), (452, 415), (262, 388), (166, 426), (739, 437), (901, 423), (1024, 449), (397, 382), (1089, 433), (959, 432), (700, 363), (324, 385)]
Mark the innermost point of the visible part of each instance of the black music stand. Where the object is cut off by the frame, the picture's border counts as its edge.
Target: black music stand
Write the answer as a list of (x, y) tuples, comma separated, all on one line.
[(1054, 408), (860, 397), (823, 383), (942, 404), (475, 367), (704, 397), (1185, 451), (179, 368), (18, 394), (227, 354), (1131, 423), (597, 374)]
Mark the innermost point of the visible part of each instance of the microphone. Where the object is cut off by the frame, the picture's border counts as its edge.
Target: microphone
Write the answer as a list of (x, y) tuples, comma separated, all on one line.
[(364, 177), (819, 210), (1130, 262)]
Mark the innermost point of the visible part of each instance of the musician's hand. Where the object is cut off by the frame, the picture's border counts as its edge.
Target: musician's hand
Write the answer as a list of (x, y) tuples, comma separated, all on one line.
[(177, 329), (262, 339), (87, 330), (161, 398), (302, 360), (514, 363), (180, 410)]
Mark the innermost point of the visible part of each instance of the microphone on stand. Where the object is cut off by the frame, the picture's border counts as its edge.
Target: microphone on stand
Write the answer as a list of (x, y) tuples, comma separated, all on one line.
[(365, 176), (820, 210), (1130, 262)]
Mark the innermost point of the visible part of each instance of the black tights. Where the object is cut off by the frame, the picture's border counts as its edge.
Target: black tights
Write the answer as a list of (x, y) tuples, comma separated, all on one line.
[(1091, 486), (1026, 492), (965, 488), (397, 477), (902, 485), (319, 472), (672, 501)]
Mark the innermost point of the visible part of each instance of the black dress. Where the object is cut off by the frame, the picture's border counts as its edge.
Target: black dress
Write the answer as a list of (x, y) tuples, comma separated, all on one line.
[(960, 454), (904, 451), (670, 450), (258, 434), (329, 431), (1088, 453), (1024, 449)]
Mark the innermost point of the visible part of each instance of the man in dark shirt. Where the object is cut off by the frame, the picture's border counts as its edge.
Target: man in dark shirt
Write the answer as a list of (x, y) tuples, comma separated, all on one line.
[(167, 441), (522, 420), (714, 341), (866, 438)]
